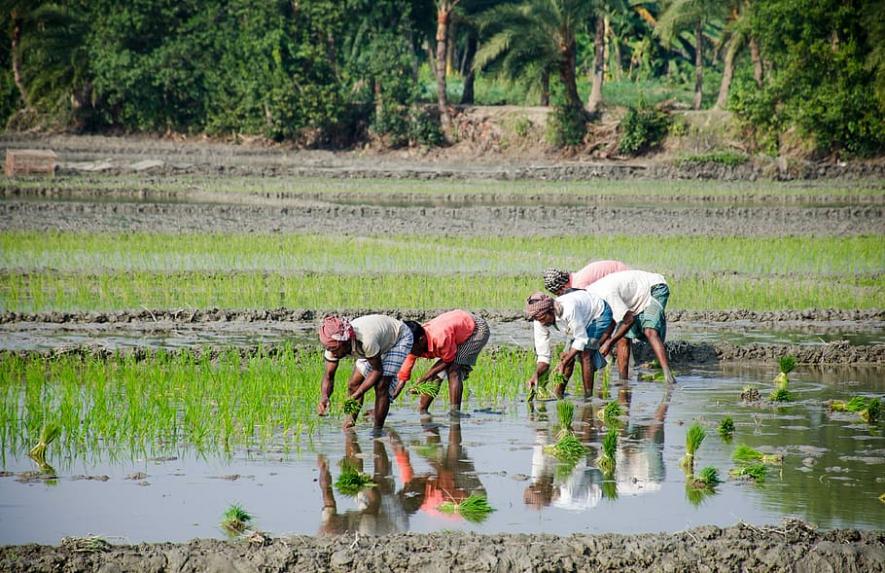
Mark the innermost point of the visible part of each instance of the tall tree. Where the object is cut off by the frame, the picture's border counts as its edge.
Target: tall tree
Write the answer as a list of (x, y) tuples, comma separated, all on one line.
[(533, 39), (693, 15), (734, 39), (444, 9), (602, 9)]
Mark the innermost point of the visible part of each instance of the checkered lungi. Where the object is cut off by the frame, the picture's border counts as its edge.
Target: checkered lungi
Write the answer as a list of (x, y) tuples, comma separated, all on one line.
[(469, 350), (392, 360)]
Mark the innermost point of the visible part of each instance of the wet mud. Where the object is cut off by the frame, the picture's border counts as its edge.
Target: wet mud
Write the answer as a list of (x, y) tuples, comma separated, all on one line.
[(793, 546), (481, 220)]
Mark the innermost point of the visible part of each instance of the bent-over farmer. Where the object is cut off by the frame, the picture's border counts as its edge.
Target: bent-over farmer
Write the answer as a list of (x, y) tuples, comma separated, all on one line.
[(560, 282), (638, 300), (380, 345), (587, 319), (455, 339)]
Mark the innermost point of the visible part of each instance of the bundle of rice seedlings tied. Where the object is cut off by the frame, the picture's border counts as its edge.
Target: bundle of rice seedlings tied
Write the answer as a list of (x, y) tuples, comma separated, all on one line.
[(565, 410), (750, 393), (235, 519), (748, 460), (780, 394), (567, 448), (351, 481), (755, 472), (540, 390), (707, 478), (351, 407), (787, 364), (474, 508), (693, 440), (726, 428), (867, 408), (48, 434), (606, 460), (610, 413), (427, 389)]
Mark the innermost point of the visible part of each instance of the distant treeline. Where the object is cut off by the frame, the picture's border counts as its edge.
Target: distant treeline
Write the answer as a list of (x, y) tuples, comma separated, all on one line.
[(335, 72)]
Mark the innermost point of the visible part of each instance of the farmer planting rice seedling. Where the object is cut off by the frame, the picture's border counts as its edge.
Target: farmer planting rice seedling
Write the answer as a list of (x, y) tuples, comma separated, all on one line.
[(455, 339), (637, 300), (585, 317), (379, 344), (174, 231)]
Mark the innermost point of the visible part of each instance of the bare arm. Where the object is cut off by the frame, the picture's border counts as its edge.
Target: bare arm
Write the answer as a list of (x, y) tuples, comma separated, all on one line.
[(619, 333), (327, 387), (372, 379), (434, 370)]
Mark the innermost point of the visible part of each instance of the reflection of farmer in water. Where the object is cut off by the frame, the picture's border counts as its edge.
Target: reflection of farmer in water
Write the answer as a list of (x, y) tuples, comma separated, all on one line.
[(580, 489), (452, 476), (639, 466), (379, 510)]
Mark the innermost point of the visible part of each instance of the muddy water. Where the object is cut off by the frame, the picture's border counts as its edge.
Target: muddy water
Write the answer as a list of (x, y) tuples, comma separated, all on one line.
[(833, 471)]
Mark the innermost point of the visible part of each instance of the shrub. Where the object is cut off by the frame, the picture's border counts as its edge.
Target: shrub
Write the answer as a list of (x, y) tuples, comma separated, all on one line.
[(642, 129), (567, 126), (727, 157)]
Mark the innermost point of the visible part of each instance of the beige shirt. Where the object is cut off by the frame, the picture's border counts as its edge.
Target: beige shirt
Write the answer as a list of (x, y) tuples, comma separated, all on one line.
[(373, 335), (626, 290)]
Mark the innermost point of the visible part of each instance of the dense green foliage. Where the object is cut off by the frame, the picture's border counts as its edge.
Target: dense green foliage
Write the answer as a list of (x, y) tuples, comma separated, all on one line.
[(337, 72), (643, 128)]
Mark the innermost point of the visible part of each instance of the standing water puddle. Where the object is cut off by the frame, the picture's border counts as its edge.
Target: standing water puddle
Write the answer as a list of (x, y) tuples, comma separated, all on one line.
[(832, 474)]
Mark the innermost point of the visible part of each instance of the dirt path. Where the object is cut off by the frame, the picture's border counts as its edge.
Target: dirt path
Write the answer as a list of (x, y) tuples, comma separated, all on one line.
[(793, 546), (509, 220)]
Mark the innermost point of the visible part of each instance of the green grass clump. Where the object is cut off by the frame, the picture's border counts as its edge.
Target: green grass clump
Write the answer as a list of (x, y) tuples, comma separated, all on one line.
[(723, 157), (726, 427), (568, 448), (235, 519), (709, 476), (565, 410), (786, 364), (610, 413), (475, 508), (693, 440), (780, 395), (351, 481), (606, 459), (744, 454), (48, 434), (756, 472), (351, 407), (867, 408), (428, 389)]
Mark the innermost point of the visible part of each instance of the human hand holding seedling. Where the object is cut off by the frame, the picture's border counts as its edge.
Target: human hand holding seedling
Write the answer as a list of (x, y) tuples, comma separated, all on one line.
[(605, 347), (323, 407)]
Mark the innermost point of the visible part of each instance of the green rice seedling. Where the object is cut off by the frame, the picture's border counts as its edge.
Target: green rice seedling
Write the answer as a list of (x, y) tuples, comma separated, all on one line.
[(697, 495), (610, 413), (750, 393), (780, 394), (351, 481), (744, 454), (755, 472), (693, 440), (351, 407), (427, 389), (604, 388), (565, 410), (48, 434), (726, 428), (867, 408), (568, 448), (707, 477), (610, 489), (235, 519), (606, 459), (652, 377), (475, 508), (787, 364)]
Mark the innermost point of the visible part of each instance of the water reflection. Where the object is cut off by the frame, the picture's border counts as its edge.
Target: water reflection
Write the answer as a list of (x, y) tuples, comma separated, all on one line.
[(384, 508), (639, 463)]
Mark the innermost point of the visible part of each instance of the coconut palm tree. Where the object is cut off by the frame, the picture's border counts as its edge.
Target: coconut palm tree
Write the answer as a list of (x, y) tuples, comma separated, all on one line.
[(694, 14), (534, 38), (734, 39)]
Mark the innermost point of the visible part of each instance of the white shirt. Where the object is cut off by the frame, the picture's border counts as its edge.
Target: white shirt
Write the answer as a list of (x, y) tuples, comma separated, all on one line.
[(576, 309), (626, 290)]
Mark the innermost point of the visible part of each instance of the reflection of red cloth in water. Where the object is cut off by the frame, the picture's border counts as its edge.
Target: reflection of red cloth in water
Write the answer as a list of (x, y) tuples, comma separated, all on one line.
[(404, 464), (436, 492)]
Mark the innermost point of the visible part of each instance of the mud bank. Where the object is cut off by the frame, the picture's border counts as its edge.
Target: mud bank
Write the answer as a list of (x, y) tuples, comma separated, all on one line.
[(465, 221), (794, 546), (101, 154), (301, 315), (681, 352)]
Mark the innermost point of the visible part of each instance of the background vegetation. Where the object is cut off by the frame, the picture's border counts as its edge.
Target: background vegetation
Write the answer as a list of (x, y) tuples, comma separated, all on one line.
[(340, 72)]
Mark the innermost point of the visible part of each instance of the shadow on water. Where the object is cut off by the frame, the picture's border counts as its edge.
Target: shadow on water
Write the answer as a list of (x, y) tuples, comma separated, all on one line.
[(832, 472)]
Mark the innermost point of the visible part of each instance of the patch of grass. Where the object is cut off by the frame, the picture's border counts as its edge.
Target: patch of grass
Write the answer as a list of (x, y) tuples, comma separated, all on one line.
[(48, 434), (428, 389), (693, 440), (722, 157), (744, 454), (351, 407), (780, 395), (726, 427), (235, 519), (867, 408), (475, 508), (610, 413), (567, 449), (565, 410), (606, 459), (351, 481), (756, 472)]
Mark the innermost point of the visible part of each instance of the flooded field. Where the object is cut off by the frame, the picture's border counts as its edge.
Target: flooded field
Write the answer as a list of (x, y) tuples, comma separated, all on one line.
[(831, 476)]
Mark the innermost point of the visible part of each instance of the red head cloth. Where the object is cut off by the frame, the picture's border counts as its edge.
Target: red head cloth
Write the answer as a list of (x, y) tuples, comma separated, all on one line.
[(537, 304), (334, 330)]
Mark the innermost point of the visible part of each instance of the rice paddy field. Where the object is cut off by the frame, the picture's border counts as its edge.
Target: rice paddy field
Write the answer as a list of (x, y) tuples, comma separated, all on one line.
[(156, 337)]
